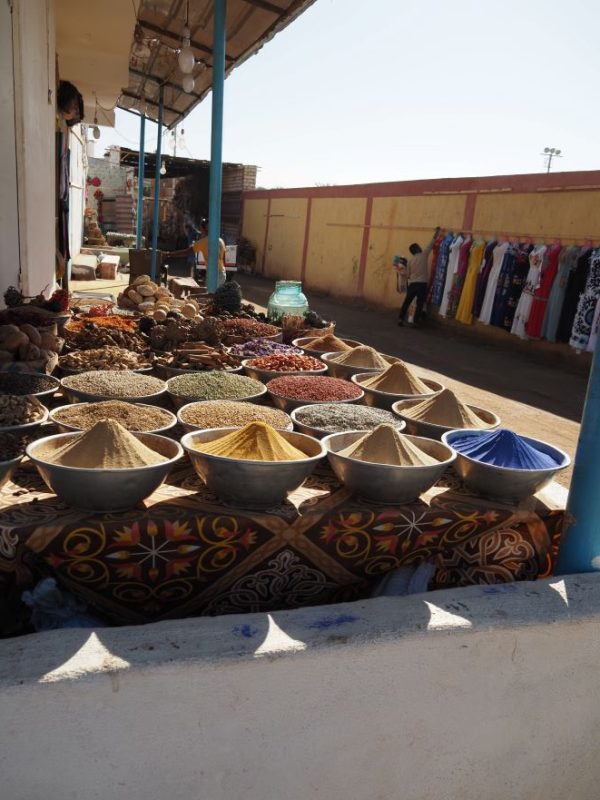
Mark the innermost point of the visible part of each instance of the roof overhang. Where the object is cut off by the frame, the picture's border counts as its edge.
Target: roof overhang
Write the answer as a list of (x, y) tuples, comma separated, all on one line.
[(175, 166)]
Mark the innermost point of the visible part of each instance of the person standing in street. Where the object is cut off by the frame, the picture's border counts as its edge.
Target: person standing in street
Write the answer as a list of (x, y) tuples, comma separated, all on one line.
[(201, 246), (417, 276)]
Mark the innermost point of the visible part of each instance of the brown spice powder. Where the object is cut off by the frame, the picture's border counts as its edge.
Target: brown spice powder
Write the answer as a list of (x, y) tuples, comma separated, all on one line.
[(329, 344), (445, 409), (385, 445), (397, 379), (362, 356)]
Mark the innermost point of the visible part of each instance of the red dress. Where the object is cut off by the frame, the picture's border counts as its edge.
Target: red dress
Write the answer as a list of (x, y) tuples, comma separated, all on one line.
[(533, 327)]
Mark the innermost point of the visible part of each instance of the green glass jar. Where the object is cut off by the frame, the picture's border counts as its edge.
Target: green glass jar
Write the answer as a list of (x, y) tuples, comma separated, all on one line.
[(287, 298)]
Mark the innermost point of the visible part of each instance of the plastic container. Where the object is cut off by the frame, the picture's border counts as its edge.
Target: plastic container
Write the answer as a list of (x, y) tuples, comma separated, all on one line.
[(287, 298)]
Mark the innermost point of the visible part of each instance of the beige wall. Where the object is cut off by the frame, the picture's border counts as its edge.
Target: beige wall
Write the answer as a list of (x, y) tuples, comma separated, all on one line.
[(9, 218), (485, 693)]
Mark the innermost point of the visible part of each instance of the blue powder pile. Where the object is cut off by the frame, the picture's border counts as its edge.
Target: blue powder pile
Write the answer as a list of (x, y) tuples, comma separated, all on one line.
[(503, 448)]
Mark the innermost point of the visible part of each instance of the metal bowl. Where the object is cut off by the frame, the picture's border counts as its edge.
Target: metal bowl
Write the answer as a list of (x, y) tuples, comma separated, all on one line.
[(67, 371), (64, 427), (46, 392), (304, 343), (346, 371), (171, 372), (252, 484), (189, 427), (319, 433), (418, 427), (79, 396), (179, 401), (504, 483), (26, 427), (105, 490), (7, 469), (264, 375), (386, 483), (378, 399), (288, 404)]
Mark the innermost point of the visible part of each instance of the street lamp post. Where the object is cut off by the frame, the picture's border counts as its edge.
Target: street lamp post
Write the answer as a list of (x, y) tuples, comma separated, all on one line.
[(550, 153)]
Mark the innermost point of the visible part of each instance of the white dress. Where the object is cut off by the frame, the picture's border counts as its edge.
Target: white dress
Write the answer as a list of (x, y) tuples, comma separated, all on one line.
[(487, 306), (536, 261), (450, 271)]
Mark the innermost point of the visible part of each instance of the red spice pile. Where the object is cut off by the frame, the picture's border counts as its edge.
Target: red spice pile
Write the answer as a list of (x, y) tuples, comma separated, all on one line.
[(313, 388), (249, 327), (283, 362), (115, 321)]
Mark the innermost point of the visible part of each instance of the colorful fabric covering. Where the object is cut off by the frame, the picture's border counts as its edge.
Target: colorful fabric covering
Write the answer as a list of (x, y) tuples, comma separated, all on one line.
[(439, 273), (582, 326)]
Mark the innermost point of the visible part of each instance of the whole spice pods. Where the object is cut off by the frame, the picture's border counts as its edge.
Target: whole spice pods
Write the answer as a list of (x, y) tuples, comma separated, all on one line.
[(313, 388), (282, 362), (92, 337), (25, 383), (19, 410), (241, 330), (113, 321), (198, 356), (103, 358)]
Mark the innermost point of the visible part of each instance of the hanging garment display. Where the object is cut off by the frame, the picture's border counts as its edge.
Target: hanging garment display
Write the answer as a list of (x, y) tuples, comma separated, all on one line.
[(464, 311), (459, 277), (490, 292), (591, 345), (439, 273), (483, 276), (540, 299), (450, 272), (435, 254), (503, 286), (575, 288), (567, 261), (586, 308), (536, 259), (514, 290)]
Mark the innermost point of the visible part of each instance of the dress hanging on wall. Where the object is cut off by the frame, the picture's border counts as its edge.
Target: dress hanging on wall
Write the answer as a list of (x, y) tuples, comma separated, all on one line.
[(517, 282), (482, 278), (540, 300), (567, 261), (450, 272), (490, 292), (586, 308), (536, 259), (439, 272), (575, 288), (503, 286), (459, 277), (464, 311)]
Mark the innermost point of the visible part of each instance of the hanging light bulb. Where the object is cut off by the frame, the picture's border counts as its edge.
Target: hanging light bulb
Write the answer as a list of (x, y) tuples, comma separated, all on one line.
[(96, 132), (163, 168), (186, 57), (188, 83)]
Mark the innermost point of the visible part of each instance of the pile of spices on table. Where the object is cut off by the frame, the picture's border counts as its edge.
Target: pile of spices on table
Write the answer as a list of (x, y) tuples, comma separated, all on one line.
[(229, 414), (247, 329), (116, 383), (397, 379), (115, 321), (213, 386), (11, 446), (339, 417), (107, 445), (503, 448), (362, 356), (283, 362), (198, 356), (262, 347), (385, 445), (130, 416), (92, 338), (445, 409), (256, 441), (329, 343), (103, 358), (314, 388), (18, 409), (25, 383)]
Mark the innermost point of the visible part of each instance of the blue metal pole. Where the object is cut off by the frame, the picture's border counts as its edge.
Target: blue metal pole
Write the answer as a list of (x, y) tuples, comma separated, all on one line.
[(140, 197), (216, 144), (580, 546), (157, 184)]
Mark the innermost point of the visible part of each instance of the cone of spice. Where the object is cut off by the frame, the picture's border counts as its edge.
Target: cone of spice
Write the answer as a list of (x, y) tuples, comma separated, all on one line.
[(397, 379), (329, 343), (256, 441), (362, 356), (445, 409), (107, 445), (385, 445), (503, 448)]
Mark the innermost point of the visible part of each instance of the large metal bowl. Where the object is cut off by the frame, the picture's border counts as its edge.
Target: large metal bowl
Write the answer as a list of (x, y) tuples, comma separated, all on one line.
[(179, 400), (304, 343), (171, 372), (319, 433), (79, 396), (385, 483), (45, 393), (105, 490), (64, 427), (504, 483), (288, 404), (345, 371), (418, 427), (189, 427), (26, 427), (264, 375), (7, 469), (252, 484), (378, 399)]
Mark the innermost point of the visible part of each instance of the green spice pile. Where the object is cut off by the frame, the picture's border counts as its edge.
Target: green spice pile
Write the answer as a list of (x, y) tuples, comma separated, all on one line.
[(224, 414), (25, 383), (117, 383), (340, 417), (132, 417), (213, 386), (19, 410)]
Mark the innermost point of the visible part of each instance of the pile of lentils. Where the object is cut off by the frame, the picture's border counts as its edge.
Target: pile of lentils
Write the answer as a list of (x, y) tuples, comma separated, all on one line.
[(313, 388), (228, 413), (336, 418), (25, 383), (283, 362), (213, 386), (114, 383), (18, 409), (131, 416), (262, 347), (11, 446)]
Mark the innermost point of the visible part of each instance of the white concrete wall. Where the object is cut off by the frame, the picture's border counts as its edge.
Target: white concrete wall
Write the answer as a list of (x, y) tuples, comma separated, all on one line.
[(486, 693)]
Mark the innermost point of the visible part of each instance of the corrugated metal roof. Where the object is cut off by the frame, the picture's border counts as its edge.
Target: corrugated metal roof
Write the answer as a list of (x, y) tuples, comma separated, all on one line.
[(158, 36), (176, 166)]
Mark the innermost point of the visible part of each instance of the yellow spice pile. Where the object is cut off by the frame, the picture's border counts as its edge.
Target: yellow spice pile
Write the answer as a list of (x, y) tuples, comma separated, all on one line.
[(256, 441)]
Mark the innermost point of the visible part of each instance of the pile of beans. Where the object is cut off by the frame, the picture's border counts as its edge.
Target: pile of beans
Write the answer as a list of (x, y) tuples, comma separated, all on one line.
[(313, 388), (130, 416), (103, 358), (283, 362), (116, 383), (213, 386), (18, 409), (25, 383), (262, 347), (248, 328), (11, 446), (336, 418), (225, 414)]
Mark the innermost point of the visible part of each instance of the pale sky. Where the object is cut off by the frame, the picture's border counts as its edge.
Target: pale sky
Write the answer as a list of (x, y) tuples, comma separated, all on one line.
[(355, 91)]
